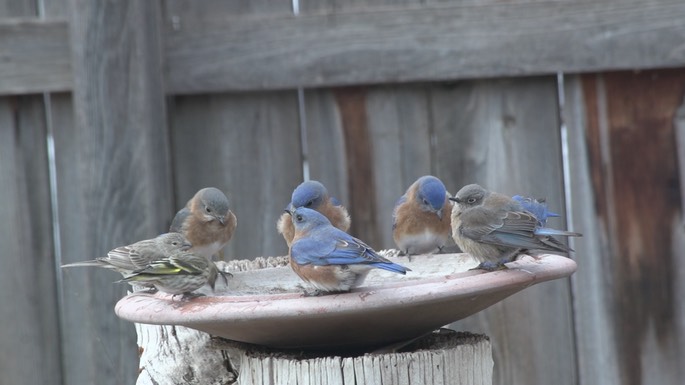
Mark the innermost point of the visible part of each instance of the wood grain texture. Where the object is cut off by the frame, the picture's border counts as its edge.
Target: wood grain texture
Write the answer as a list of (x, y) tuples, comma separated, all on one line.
[(30, 344), (633, 180), (416, 43), (114, 169), (34, 56), (504, 135), (247, 145)]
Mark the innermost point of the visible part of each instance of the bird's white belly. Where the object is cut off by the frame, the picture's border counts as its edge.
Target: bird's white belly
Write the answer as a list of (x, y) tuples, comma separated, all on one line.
[(421, 243), (207, 250)]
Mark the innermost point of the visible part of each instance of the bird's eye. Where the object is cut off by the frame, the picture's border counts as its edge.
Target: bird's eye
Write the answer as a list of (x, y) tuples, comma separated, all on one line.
[(174, 243), (208, 210), (299, 218), (425, 202), (471, 200), (309, 204)]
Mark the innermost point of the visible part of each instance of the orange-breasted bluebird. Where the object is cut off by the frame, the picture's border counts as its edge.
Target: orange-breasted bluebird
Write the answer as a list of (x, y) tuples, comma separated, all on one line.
[(421, 222), (312, 194), (206, 221), (127, 259), (328, 258), (494, 228), (180, 273)]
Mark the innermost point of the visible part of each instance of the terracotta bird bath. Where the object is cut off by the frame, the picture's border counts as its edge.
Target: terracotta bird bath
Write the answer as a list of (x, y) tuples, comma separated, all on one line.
[(266, 306)]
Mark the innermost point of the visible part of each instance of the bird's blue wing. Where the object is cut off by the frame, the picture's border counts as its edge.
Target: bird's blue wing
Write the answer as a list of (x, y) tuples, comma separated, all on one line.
[(536, 207), (177, 223)]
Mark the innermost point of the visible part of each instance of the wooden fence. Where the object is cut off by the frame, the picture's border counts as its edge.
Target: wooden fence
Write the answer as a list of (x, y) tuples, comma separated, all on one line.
[(112, 114)]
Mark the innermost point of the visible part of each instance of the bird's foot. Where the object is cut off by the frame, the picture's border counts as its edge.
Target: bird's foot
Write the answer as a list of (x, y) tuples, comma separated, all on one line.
[(491, 266), (313, 293), (188, 296)]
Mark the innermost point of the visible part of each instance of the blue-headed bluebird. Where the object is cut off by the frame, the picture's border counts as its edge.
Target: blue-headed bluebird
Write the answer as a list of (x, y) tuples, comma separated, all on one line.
[(494, 228), (328, 258), (421, 218), (179, 273), (313, 195), (206, 221), (127, 259)]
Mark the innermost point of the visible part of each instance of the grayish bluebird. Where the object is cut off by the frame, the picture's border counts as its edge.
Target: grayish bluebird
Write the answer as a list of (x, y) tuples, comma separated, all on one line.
[(494, 228), (206, 221), (180, 273), (127, 259), (421, 218), (328, 258), (313, 195)]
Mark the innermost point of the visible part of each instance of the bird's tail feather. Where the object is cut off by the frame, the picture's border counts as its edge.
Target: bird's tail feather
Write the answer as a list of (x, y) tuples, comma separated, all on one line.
[(92, 263)]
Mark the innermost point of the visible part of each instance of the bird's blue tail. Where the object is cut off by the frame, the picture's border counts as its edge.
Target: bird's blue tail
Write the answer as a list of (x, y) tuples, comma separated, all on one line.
[(389, 266)]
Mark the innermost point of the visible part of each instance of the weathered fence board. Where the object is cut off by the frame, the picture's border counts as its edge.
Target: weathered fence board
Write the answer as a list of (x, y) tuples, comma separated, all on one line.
[(29, 343), (115, 185), (217, 48), (35, 56), (629, 314), (218, 52)]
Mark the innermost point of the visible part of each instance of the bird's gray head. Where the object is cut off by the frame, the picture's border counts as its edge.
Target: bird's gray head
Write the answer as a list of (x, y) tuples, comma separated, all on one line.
[(213, 203), (431, 194), (173, 242), (470, 196), (310, 194), (307, 219)]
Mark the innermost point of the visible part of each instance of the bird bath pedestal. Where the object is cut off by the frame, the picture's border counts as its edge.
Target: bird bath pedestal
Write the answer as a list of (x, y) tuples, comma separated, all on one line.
[(266, 332)]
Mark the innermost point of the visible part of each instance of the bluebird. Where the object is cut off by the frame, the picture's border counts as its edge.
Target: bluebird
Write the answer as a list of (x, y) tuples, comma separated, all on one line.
[(495, 228), (206, 221), (421, 222), (328, 258), (313, 195), (537, 207), (127, 259), (180, 273)]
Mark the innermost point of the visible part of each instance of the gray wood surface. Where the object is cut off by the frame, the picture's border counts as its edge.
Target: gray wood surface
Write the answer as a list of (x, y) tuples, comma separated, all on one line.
[(247, 145), (115, 183), (626, 199), (408, 43), (35, 56), (414, 43), (29, 344), (503, 134)]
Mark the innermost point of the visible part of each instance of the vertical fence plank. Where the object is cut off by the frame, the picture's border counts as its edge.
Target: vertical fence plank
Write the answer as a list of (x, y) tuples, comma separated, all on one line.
[(247, 145), (113, 165), (504, 134), (30, 343), (629, 281)]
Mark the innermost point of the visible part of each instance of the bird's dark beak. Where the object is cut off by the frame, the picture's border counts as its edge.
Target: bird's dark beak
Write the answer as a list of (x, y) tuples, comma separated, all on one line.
[(186, 246), (289, 208), (454, 199), (222, 220)]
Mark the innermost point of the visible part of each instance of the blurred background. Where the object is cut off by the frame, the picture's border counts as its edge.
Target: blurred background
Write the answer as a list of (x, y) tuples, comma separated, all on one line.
[(114, 113)]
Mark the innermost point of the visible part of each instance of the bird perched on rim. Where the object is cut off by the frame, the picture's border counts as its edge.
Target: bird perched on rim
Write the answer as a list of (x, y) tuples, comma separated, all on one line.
[(206, 221), (328, 258), (180, 273), (127, 259), (421, 217), (313, 195), (494, 228)]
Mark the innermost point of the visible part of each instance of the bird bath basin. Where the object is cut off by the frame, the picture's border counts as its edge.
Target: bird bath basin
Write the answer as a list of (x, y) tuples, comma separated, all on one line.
[(267, 306)]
